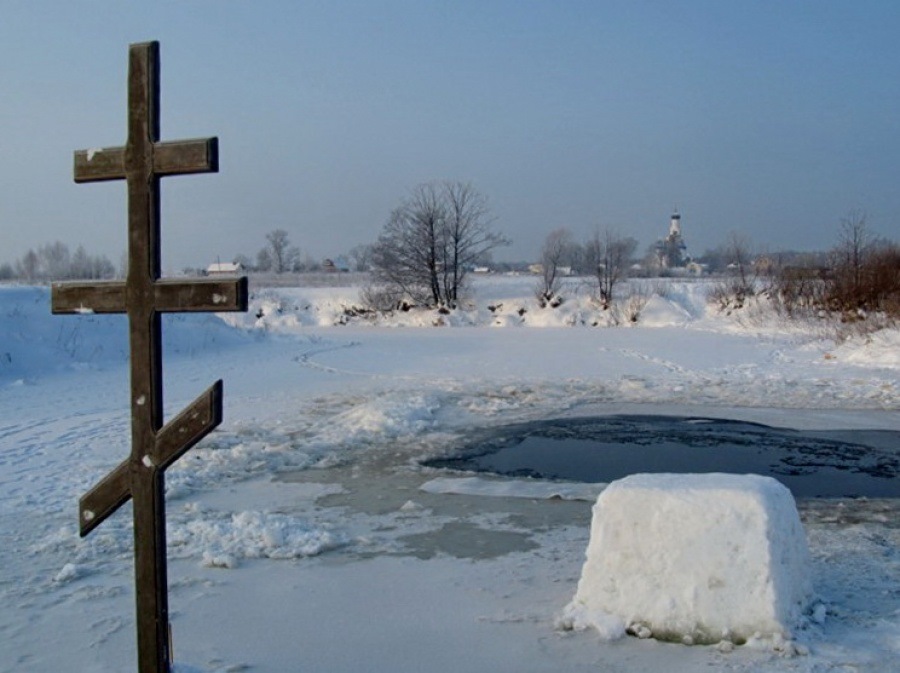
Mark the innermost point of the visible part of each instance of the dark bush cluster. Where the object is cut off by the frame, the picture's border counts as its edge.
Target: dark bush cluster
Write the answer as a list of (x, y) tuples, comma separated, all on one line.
[(870, 284), (861, 278)]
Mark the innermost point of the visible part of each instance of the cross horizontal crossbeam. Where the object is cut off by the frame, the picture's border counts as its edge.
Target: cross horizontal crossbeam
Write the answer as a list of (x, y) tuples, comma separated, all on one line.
[(180, 157), (169, 296)]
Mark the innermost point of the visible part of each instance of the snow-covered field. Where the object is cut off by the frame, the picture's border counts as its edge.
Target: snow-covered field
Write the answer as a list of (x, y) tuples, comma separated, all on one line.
[(303, 534)]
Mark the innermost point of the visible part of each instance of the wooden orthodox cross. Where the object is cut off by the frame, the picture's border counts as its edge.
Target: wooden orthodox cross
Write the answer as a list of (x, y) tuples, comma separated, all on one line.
[(143, 296)]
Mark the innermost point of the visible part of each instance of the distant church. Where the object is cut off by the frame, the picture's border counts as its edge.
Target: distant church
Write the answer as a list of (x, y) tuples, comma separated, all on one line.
[(670, 251)]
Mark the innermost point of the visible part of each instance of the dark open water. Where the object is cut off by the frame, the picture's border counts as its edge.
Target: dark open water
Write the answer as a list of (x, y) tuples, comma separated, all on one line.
[(834, 463)]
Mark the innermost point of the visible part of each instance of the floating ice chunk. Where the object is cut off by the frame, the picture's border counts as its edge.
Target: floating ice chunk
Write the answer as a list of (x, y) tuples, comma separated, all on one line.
[(223, 542), (69, 572), (513, 488)]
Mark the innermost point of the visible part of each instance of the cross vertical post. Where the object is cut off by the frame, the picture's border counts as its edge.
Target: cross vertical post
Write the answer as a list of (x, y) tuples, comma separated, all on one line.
[(144, 297), (145, 339)]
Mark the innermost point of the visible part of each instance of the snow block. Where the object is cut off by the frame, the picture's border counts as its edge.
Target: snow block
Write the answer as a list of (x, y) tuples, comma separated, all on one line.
[(696, 558)]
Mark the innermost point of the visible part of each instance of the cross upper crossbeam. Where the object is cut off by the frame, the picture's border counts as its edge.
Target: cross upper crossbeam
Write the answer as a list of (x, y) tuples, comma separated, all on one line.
[(180, 157)]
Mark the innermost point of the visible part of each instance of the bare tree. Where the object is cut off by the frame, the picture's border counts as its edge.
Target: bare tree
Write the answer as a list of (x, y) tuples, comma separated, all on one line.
[(29, 266), (406, 255), (264, 260), (430, 240), (849, 259), (84, 265), (56, 261), (740, 263), (576, 258), (553, 253), (280, 252), (739, 284), (361, 256), (295, 261), (468, 232), (609, 255)]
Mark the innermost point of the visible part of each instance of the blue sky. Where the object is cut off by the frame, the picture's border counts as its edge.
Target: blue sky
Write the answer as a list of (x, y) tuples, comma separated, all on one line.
[(772, 119)]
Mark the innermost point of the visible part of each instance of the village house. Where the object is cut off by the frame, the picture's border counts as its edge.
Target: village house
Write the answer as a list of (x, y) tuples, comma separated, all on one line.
[(217, 269)]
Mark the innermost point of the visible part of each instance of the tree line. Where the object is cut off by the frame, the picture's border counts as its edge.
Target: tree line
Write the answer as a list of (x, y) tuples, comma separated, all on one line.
[(279, 256), (54, 261), (441, 231)]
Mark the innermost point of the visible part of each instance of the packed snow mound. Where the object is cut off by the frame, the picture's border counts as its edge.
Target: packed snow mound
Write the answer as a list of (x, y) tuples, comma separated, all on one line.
[(696, 558)]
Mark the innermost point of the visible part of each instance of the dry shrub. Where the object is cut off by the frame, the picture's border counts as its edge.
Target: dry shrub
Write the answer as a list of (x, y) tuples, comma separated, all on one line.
[(383, 298), (871, 285), (731, 293)]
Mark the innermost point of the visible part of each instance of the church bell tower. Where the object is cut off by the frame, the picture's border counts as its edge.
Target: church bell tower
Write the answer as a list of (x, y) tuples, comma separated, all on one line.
[(675, 225)]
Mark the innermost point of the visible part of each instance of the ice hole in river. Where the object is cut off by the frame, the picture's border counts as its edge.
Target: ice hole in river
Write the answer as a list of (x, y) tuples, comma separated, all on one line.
[(824, 463)]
